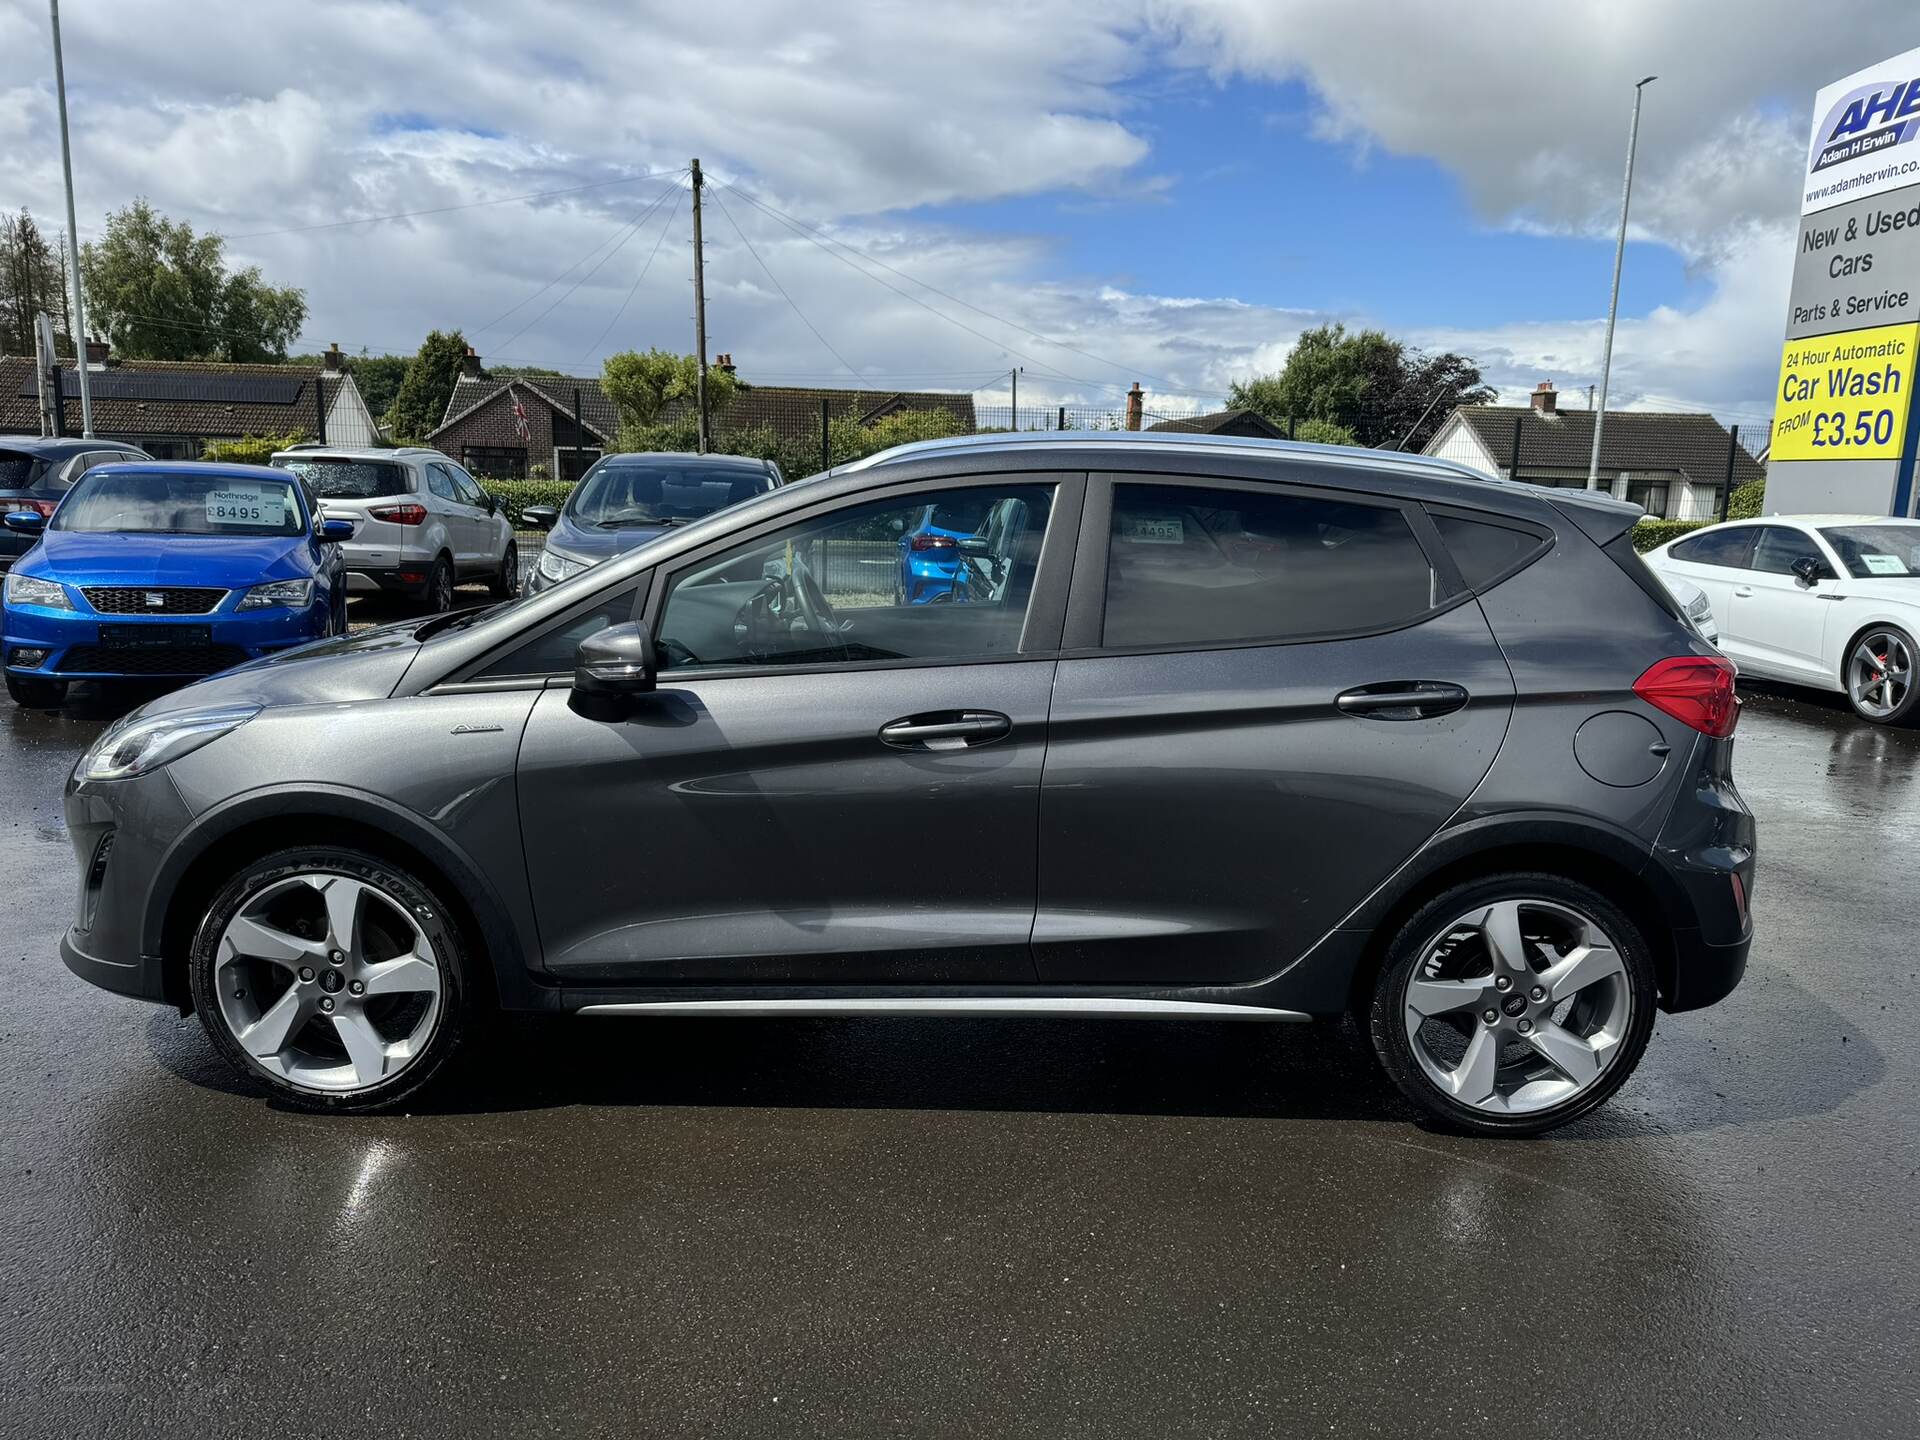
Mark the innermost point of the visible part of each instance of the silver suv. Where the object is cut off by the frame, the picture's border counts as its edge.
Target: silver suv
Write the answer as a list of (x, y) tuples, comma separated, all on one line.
[(421, 524)]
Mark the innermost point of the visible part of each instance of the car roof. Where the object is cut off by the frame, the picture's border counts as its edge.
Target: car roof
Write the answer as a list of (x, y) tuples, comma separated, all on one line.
[(1815, 520), (682, 457), (361, 452), (60, 445), (218, 469)]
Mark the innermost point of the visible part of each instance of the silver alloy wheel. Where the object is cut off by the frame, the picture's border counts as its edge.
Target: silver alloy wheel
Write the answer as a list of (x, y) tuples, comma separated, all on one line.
[(1879, 673), (1518, 1006), (328, 982)]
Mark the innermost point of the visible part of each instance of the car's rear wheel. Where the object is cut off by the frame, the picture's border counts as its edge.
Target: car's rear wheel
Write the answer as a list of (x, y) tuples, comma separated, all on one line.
[(36, 694), (506, 584), (1514, 1004), (1879, 676), (439, 592), (336, 979)]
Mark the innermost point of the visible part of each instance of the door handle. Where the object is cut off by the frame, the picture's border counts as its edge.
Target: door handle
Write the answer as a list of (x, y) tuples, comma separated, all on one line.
[(949, 730), (1402, 700), (1743, 592)]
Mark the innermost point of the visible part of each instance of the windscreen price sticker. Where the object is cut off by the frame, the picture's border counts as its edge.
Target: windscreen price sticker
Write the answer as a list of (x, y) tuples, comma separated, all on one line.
[(243, 504), (1845, 397)]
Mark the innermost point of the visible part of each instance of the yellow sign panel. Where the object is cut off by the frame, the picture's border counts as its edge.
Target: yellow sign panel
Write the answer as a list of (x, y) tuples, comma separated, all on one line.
[(1845, 397)]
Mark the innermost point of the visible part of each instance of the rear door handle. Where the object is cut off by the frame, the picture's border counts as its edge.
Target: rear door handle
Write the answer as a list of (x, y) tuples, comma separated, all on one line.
[(948, 730), (1402, 700)]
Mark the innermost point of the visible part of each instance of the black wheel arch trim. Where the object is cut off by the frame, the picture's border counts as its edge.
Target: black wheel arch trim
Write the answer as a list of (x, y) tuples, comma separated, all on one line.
[(506, 942)]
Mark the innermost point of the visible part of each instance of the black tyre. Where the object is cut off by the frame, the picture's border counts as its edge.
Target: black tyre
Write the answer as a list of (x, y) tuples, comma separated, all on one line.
[(334, 978), (1513, 1004), (1877, 673), (438, 596), (506, 583), (36, 694)]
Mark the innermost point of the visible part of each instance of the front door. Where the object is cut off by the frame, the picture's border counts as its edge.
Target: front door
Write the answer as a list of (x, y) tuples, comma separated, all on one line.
[(1777, 621), (827, 787), (1288, 706)]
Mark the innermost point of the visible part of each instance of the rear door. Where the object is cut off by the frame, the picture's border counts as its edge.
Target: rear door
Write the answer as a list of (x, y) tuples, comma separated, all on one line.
[(1776, 621), (1268, 698)]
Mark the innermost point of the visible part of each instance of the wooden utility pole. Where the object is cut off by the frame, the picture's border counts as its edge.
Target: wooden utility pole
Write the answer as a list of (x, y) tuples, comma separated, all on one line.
[(699, 308)]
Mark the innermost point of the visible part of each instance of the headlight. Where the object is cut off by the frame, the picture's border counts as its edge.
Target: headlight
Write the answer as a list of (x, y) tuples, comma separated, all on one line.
[(556, 566), (136, 746), (291, 594), (26, 590)]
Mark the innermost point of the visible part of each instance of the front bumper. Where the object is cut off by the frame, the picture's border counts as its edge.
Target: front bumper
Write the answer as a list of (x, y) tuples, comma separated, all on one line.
[(85, 646), (121, 831)]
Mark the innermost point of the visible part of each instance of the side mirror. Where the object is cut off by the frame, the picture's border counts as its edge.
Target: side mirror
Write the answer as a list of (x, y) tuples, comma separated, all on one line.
[(492, 505), (614, 664), (973, 545), (898, 526), (1810, 571), (332, 532), (541, 517), (27, 522)]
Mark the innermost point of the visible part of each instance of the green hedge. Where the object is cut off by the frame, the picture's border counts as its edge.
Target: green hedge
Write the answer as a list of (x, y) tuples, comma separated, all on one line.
[(1649, 533), (1746, 501), (515, 495), (252, 449)]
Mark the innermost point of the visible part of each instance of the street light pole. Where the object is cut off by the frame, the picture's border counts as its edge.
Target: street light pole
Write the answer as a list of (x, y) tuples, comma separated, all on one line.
[(79, 336), (1613, 305)]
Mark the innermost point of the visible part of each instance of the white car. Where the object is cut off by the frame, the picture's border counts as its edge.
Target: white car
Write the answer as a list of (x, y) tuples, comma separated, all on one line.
[(1831, 601), (1694, 601)]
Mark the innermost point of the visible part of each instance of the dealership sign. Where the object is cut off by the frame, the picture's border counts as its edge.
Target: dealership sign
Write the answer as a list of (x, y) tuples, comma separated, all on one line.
[(1844, 425)]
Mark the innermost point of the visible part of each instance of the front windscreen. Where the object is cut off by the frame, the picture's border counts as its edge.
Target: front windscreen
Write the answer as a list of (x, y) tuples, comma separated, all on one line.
[(349, 479), (615, 495), (173, 502), (1876, 552)]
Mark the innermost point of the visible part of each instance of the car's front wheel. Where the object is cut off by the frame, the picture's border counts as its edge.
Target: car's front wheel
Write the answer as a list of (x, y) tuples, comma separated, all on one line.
[(1513, 1004), (1879, 676), (36, 694), (332, 976)]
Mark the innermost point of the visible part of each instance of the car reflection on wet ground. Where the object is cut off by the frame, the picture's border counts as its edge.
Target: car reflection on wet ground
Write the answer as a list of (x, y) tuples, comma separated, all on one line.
[(700, 1227)]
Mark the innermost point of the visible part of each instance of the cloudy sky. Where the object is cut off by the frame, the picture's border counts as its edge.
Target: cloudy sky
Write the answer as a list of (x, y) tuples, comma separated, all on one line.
[(926, 194)]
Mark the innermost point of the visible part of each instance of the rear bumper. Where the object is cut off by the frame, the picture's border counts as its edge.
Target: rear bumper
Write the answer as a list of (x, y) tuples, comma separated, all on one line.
[(389, 580), (1704, 863)]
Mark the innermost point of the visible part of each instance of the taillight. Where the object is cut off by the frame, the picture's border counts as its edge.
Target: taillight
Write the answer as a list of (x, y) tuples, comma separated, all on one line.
[(933, 542), (43, 508), (1696, 690), (407, 514)]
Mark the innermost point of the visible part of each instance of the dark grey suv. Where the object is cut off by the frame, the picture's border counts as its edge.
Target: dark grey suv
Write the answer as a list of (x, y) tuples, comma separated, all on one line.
[(1220, 730)]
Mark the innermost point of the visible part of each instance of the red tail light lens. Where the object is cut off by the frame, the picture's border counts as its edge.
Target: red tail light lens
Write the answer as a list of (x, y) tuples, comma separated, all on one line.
[(408, 514), (1696, 690), (933, 542), (43, 508)]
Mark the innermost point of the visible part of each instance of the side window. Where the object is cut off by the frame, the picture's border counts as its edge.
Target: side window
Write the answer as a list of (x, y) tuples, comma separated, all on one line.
[(1484, 551), (440, 482), (1193, 565), (1778, 547), (927, 577), (1718, 547), (551, 653), (468, 489)]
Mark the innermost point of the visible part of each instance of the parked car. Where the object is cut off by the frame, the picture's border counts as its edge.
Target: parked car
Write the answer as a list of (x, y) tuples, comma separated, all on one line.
[(1694, 604), (1829, 601), (1250, 731), (35, 472), (175, 570), (624, 501), (421, 524)]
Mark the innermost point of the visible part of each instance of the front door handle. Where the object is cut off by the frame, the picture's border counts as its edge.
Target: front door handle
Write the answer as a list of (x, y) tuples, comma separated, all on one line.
[(948, 730), (1402, 700), (1744, 593)]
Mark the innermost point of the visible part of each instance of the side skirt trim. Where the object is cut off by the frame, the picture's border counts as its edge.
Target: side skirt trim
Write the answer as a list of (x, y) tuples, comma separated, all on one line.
[(1086, 1007)]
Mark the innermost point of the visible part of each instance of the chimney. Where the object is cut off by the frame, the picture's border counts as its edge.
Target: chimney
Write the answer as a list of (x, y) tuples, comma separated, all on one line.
[(333, 361), (470, 364), (96, 354), (1545, 397), (1136, 402), (725, 362)]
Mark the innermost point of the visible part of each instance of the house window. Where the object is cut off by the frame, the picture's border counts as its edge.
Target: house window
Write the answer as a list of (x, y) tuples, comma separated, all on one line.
[(497, 462), (1649, 495), (570, 463)]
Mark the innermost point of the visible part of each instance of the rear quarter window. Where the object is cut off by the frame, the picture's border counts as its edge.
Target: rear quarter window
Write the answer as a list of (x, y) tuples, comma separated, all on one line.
[(1485, 552)]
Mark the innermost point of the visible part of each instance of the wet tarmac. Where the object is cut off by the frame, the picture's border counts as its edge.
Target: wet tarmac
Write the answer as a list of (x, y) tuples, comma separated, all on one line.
[(986, 1228)]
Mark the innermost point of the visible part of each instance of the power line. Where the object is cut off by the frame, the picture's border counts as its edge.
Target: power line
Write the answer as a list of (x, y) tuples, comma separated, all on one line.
[(449, 209), (988, 314), (778, 286), (594, 348)]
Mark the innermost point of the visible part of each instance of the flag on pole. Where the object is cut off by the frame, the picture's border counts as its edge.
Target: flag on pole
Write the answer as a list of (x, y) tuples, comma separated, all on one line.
[(520, 420)]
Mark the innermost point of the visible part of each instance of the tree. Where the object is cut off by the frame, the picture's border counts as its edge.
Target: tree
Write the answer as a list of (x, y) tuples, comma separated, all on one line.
[(33, 278), (426, 387), (157, 291), (1383, 391), (1323, 432), (642, 386), (376, 377)]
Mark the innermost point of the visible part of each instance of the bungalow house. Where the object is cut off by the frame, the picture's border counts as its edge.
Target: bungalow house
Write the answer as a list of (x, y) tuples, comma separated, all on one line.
[(1245, 423), (501, 427), (1672, 466), (172, 408)]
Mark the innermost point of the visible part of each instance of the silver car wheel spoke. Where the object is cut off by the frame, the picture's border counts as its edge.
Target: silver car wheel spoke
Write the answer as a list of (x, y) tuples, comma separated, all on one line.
[(268, 1035), (365, 1048), (1567, 1052), (1588, 964), (257, 940), (1501, 925), (1442, 997), (1474, 1078), (409, 975)]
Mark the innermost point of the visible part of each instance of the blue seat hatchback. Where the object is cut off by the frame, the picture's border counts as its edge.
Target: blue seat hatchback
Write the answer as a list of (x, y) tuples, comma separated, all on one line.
[(168, 571)]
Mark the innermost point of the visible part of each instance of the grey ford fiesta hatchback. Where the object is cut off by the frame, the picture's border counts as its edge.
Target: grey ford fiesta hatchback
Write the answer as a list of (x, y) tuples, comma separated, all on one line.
[(1213, 730)]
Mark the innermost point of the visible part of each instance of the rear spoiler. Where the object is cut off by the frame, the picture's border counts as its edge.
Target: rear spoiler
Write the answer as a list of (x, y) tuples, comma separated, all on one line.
[(1601, 518)]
